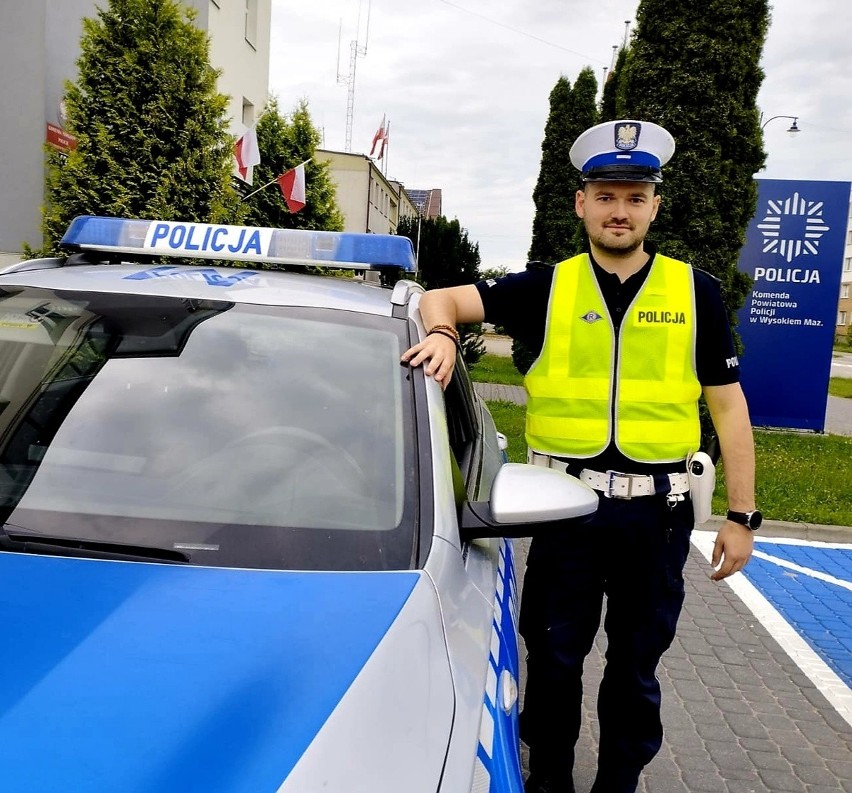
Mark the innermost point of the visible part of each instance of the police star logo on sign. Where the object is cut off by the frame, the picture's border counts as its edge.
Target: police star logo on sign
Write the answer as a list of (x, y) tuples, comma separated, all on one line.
[(792, 227)]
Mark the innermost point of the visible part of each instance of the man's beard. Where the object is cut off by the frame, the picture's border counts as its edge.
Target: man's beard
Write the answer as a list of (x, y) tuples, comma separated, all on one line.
[(621, 247)]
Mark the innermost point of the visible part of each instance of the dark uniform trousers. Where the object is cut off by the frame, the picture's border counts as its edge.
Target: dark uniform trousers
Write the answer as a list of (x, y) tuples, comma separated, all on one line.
[(632, 552)]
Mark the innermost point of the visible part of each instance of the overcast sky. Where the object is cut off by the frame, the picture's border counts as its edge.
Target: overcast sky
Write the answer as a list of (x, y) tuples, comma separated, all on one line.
[(464, 85)]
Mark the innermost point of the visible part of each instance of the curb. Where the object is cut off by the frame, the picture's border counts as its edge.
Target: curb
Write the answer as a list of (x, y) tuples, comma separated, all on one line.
[(813, 532)]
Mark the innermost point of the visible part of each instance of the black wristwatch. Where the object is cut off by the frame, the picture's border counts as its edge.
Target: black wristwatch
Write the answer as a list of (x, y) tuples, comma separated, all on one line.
[(751, 520)]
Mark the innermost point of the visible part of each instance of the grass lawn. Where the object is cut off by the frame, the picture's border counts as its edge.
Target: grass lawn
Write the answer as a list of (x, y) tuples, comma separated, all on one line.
[(840, 387), (496, 369)]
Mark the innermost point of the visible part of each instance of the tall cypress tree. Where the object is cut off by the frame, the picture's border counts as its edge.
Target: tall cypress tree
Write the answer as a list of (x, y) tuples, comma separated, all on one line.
[(552, 223), (608, 95), (557, 232), (698, 75), (285, 142), (151, 129), (555, 224)]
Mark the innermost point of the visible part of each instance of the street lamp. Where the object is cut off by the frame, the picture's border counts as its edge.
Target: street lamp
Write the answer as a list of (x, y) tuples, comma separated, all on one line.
[(794, 127)]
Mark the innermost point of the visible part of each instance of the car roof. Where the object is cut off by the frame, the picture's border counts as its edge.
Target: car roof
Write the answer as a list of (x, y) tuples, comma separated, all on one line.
[(233, 284), (125, 256)]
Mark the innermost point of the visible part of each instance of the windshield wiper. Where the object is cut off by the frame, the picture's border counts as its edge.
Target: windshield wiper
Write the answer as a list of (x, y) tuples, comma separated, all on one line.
[(25, 542)]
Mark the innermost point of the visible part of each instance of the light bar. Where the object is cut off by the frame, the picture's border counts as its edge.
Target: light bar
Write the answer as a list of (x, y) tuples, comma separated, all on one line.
[(342, 250)]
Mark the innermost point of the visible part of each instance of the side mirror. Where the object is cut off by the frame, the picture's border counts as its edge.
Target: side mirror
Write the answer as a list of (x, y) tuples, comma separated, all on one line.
[(526, 500)]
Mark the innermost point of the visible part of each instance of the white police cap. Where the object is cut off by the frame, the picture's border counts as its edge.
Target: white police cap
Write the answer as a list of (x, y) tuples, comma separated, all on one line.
[(624, 150)]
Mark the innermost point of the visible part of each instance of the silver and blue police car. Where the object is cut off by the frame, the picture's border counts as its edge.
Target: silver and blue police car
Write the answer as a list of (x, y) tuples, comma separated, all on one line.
[(243, 547)]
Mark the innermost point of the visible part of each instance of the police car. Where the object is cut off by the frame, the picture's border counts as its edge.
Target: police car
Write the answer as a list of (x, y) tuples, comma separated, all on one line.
[(244, 548)]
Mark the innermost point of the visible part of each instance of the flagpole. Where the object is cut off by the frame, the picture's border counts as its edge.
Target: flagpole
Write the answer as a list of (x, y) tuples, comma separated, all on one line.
[(263, 187), (417, 252), (387, 148)]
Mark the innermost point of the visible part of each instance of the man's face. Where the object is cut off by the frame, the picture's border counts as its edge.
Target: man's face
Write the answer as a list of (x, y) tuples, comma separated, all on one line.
[(617, 215)]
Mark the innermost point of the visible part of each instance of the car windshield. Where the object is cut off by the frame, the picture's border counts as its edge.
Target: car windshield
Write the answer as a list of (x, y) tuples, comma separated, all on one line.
[(249, 436)]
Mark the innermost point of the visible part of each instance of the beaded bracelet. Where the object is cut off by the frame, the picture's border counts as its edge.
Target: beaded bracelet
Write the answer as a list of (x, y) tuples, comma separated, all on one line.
[(445, 334), (450, 329)]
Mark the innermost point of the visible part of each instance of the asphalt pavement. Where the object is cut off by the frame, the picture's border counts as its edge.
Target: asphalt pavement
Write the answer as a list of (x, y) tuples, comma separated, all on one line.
[(757, 686)]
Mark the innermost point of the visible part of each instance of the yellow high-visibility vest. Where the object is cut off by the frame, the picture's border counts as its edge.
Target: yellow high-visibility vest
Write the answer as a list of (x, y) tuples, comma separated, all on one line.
[(645, 381)]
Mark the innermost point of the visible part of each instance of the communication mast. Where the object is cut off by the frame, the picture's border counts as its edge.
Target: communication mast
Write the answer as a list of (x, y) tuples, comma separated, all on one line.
[(355, 49)]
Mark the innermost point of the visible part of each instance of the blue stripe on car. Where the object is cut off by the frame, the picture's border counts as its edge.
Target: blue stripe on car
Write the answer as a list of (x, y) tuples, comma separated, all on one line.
[(498, 755)]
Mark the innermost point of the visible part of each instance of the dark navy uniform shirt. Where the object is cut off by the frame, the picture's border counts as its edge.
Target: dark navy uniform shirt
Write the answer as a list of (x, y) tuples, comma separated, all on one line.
[(518, 302)]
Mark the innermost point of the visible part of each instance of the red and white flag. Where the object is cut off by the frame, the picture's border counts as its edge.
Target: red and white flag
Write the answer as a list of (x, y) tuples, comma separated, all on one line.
[(247, 152), (292, 184), (379, 136), (385, 139)]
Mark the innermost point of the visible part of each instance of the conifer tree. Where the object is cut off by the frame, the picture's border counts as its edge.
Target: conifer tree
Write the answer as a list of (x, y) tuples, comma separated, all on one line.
[(285, 143), (552, 223), (151, 129), (698, 74), (557, 232), (556, 227), (608, 95)]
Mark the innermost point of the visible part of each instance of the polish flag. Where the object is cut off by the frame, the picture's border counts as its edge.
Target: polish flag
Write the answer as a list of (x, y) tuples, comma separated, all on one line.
[(385, 138), (247, 152), (292, 184), (379, 136)]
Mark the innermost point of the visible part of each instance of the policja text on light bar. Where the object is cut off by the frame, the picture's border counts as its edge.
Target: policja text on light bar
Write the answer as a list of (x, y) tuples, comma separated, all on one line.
[(240, 243)]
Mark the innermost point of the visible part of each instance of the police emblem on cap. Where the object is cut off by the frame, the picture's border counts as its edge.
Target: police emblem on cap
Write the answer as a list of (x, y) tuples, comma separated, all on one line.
[(627, 135)]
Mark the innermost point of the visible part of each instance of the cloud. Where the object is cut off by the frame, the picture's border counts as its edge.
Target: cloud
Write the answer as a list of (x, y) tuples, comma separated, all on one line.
[(465, 85)]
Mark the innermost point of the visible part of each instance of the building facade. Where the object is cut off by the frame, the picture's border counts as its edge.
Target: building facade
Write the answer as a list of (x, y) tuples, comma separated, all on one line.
[(368, 201), (428, 202), (39, 47)]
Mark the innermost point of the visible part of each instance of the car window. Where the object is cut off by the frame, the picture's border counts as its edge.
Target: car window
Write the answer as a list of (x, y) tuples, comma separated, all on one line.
[(251, 436), (463, 425)]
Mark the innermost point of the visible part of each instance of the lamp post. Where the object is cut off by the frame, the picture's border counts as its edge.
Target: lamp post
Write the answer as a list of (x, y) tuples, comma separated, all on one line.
[(794, 127)]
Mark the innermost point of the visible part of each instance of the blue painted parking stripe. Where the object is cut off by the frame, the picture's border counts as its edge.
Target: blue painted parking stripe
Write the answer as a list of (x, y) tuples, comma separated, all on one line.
[(816, 603), (810, 615)]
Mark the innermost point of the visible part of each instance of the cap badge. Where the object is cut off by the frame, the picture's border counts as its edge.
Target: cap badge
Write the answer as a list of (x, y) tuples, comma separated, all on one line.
[(591, 316), (627, 136)]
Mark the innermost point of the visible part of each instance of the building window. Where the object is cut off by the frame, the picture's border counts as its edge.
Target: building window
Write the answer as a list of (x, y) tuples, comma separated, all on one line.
[(841, 318), (847, 265), (251, 22), (844, 291), (248, 113)]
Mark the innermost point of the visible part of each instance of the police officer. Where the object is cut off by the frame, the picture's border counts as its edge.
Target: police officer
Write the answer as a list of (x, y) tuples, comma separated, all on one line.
[(628, 340)]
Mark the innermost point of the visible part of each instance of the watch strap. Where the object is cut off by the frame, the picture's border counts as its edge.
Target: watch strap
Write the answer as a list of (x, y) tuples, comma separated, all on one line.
[(751, 520)]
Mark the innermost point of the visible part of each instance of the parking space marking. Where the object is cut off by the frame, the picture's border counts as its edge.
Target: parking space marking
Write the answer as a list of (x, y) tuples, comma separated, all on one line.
[(827, 681), (829, 579)]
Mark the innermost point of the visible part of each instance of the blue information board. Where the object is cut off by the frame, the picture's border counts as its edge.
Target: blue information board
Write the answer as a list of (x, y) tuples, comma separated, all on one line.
[(794, 252)]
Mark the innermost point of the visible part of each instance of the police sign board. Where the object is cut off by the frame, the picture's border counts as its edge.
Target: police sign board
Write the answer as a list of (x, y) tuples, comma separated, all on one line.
[(794, 252)]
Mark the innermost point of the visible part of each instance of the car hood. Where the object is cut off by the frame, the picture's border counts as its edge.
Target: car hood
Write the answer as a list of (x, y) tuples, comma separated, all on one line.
[(150, 677)]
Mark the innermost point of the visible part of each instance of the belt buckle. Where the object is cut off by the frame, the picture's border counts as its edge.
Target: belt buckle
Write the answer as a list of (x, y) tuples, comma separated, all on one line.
[(611, 475)]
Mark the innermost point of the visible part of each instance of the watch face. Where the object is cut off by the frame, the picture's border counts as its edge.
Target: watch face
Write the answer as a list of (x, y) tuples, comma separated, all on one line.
[(755, 519)]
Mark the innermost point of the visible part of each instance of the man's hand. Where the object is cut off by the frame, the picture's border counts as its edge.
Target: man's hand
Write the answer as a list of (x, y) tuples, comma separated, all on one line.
[(440, 352), (441, 309), (733, 547)]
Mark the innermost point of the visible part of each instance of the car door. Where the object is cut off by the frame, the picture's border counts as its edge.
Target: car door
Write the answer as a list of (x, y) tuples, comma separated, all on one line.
[(490, 565)]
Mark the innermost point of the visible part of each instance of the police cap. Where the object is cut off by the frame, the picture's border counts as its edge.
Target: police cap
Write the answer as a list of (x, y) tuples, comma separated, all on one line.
[(624, 150)]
